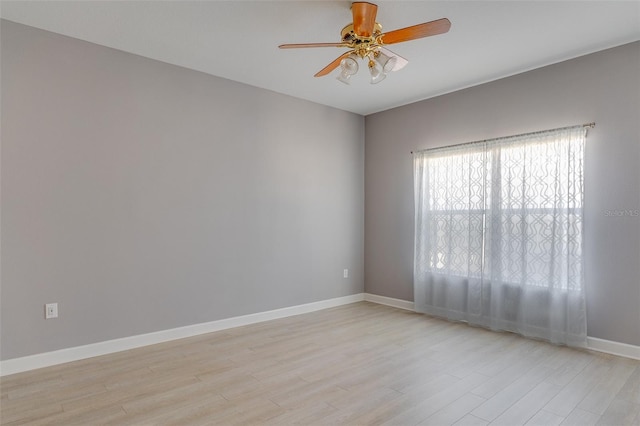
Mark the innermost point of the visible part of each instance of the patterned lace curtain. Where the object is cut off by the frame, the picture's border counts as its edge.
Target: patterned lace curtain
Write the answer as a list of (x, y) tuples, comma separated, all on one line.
[(498, 234)]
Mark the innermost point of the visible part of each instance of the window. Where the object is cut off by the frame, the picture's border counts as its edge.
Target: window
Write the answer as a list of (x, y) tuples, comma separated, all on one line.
[(500, 214)]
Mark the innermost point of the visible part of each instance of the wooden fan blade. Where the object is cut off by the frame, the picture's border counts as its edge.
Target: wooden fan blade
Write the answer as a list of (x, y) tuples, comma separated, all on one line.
[(333, 65), (400, 61), (427, 29), (299, 45), (364, 18)]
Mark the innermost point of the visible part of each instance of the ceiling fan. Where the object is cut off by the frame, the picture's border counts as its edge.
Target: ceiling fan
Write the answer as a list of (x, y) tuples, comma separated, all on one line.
[(365, 39)]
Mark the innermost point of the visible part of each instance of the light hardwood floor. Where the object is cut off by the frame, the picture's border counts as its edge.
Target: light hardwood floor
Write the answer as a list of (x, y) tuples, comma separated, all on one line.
[(355, 364)]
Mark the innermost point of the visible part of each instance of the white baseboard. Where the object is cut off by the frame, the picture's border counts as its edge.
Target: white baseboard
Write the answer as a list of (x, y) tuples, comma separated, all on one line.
[(594, 344), (389, 301), (32, 362), (613, 348)]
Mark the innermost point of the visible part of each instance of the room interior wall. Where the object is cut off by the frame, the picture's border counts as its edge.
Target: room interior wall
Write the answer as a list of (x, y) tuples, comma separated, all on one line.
[(142, 196), (603, 87)]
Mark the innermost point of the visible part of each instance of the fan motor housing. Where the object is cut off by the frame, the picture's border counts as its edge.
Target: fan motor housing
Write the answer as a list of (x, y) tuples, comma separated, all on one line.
[(349, 36)]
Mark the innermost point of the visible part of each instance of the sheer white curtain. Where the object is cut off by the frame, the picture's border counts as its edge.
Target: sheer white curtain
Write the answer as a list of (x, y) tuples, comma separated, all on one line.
[(498, 234)]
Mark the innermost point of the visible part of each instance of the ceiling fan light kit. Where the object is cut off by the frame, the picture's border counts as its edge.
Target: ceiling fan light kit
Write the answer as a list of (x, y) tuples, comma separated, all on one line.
[(377, 75), (348, 67), (365, 39), (387, 63)]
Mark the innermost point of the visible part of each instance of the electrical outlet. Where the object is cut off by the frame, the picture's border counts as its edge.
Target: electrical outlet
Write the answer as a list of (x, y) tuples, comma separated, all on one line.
[(345, 273), (50, 310)]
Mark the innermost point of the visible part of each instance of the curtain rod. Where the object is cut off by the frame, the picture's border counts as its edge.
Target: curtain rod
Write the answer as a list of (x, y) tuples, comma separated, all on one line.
[(589, 125)]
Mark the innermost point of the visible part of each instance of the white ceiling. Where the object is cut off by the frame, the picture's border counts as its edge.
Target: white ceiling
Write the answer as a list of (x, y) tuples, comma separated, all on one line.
[(238, 40)]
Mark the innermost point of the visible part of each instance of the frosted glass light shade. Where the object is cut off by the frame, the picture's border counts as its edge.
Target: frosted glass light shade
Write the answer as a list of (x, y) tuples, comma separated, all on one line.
[(344, 77), (386, 62), (349, 65), (376, 75)]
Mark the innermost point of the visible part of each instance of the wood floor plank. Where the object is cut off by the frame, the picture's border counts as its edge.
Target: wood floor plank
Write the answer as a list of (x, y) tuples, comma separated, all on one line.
[(23, 415), (364, 397), (455, 411), (572, 394), (510, 395), (123, 395), (510, 374), (101, 416), (631, 389), (388, 409), (304, 415), (526, 407), (168, 399), (429, 406), (308, 393), (621, 413), (580, 417), (598, 399), (544, 418), (356, 405), (357, 364), (470, 420)]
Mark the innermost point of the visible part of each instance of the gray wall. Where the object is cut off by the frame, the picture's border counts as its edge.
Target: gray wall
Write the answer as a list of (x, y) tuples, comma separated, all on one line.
[(603, 87), (142, 196)]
